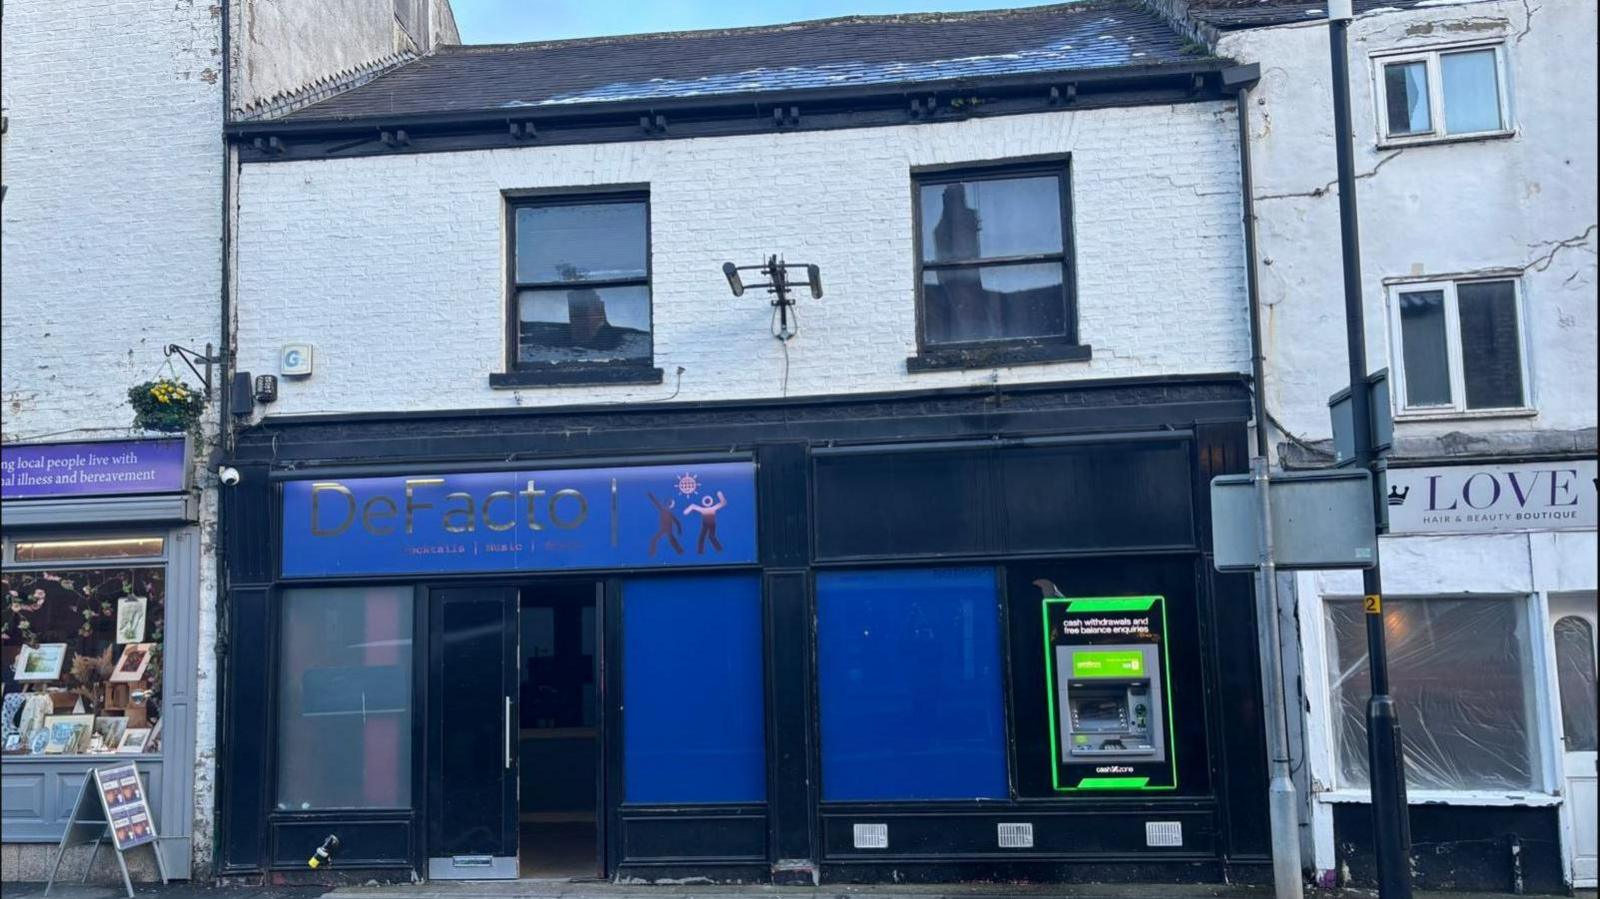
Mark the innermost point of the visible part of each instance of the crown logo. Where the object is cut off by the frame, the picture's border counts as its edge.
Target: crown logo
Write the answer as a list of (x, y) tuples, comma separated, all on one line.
[(1397, 497)]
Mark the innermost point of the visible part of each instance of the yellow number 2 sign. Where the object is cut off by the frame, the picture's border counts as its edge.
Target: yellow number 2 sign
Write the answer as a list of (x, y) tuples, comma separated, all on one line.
[(1374, 604)]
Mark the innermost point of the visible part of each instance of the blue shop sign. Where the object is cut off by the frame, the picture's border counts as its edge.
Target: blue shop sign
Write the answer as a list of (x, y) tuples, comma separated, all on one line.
[(555, 520)]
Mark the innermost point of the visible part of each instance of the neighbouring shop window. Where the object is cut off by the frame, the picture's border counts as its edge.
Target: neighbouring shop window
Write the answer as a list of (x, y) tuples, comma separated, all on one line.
[(1575, 673), (1460, 672), (992, 263), (1442, 93), (580, 279), (908, 669), (82, 655), (693, 701), (1460, 346), (344, 698)]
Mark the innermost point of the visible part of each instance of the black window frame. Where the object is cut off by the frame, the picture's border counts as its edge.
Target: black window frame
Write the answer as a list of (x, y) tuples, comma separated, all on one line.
[(517, 373), (1062, 347)]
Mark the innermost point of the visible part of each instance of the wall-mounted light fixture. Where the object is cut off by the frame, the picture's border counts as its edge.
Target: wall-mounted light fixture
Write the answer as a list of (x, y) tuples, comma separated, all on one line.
[(786, 323), (266, 388)]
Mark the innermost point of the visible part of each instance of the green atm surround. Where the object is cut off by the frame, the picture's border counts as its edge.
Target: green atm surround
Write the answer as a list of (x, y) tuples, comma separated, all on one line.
[(1131, 631)]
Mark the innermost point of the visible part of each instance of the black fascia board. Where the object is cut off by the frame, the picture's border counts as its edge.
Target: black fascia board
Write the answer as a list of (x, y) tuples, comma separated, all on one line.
[(723, 114), (1022, 388), (506, 435)]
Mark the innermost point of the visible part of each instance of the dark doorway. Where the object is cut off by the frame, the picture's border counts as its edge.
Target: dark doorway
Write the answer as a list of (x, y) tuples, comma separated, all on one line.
[(559, 725), (472, 820)]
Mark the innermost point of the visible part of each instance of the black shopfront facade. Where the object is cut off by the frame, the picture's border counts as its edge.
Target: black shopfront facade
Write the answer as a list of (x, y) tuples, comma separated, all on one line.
[(882, 679)]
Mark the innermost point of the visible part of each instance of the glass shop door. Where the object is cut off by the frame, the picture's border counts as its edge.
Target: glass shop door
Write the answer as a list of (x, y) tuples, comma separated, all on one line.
[(472, 733)]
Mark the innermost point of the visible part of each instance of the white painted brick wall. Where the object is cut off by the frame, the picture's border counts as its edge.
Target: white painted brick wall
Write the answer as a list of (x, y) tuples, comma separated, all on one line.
[(1430, 210), (394, 268), (112, 243), (112, 213)]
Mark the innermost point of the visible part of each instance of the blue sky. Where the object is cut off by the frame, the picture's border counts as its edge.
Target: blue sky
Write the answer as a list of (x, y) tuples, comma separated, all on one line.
[(514, 21)]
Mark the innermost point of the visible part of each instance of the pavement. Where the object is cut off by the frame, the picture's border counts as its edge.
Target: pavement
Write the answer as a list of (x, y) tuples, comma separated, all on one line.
[(554, 889)]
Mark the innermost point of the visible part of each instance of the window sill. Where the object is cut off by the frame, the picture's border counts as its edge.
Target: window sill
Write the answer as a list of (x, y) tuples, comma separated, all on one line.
[(1529, 798), (1001, 356), (575, 376), (43, 758), (1463, 414), (1400, 143)]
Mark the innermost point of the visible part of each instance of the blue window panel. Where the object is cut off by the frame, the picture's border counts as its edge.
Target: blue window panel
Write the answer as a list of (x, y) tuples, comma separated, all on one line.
[(909, 671), (693, 707)]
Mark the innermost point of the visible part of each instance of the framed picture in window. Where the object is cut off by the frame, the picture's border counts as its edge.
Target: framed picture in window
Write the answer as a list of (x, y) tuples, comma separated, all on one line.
[(69, 734), (134, 660), (134, 740), (131, 618), (41, 663), (110, 731)]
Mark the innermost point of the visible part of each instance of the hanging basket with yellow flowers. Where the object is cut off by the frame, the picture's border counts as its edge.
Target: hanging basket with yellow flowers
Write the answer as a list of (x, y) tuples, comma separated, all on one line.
[(166, 405)]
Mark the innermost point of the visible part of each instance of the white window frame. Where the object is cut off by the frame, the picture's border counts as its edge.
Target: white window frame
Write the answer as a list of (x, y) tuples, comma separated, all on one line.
[(1452, 329), (1540, 738), (1436, 132)]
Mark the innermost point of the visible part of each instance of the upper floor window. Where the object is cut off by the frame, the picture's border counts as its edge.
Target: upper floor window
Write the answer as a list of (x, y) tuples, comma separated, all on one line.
[(580, 284), (1459, 345), (1442, 93), (993, 260)]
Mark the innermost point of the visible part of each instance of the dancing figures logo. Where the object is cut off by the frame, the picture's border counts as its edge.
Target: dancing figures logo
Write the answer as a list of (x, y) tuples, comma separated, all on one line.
[(669, 525)]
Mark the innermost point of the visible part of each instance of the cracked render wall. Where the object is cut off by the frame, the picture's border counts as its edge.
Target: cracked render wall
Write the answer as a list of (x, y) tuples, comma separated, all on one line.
[(1523, 204), (393, 267), (1520, 205), (112, 246)]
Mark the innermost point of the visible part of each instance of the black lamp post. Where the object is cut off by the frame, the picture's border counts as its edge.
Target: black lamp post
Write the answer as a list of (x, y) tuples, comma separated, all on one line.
[(1391, 829)]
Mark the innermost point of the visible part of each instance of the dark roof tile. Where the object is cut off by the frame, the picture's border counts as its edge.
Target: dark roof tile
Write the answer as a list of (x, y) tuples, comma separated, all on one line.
[(858, 50)]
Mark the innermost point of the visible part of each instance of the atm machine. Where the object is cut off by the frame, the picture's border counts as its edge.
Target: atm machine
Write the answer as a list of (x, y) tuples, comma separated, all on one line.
[(1110, 694), (1111, 702)]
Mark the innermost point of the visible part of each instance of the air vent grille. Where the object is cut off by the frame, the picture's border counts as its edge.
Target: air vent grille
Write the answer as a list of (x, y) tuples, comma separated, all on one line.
[(1015, 836), (872, 836), (1163, 833)]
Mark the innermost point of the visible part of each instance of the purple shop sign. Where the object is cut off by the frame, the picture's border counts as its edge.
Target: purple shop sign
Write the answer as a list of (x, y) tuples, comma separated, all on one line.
[(99, 468)]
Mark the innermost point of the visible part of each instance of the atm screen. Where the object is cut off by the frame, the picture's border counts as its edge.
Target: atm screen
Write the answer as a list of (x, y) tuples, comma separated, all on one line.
[(1098, 714)]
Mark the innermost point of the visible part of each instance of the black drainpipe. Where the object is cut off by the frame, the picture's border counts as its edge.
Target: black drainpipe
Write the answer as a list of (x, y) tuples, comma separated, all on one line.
[(224, 446), (1242, 79)]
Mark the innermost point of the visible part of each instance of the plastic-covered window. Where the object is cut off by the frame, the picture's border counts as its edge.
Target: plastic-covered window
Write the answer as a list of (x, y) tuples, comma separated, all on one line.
[(1461, 682), (1575, 673)]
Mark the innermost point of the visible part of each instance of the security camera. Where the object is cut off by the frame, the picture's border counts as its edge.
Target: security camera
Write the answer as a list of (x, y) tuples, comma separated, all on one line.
[(228, 475)]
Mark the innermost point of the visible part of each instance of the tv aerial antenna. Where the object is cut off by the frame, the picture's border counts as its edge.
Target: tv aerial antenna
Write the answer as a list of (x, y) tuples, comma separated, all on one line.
[(778, 284)]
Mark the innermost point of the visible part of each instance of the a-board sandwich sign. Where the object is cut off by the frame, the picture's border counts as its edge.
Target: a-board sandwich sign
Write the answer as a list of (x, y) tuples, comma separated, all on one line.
[(127, 810), (111, 803)]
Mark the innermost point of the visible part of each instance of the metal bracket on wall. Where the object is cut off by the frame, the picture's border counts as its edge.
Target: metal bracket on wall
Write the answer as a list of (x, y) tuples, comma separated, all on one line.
[(1059, 97), (190, 358)]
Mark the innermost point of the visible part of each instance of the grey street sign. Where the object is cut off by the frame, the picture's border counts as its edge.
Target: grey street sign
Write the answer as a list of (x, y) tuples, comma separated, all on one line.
[(1320, 519)]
